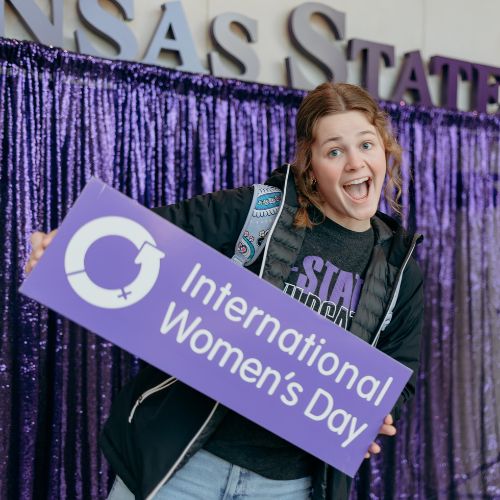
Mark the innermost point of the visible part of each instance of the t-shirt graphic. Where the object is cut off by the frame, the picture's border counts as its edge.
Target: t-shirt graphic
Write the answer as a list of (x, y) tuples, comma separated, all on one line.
[(328, 274), (326, 289)]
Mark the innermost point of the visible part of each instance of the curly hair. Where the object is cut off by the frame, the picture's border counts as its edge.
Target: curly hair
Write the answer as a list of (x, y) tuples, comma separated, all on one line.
[(328, 99)]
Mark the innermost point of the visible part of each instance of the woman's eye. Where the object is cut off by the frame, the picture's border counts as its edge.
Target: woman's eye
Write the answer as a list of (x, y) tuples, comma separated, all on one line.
[(367, 145), (334, 153)]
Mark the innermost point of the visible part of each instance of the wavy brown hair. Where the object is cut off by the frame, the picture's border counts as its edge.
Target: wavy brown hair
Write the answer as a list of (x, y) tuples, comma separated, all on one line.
[(328, 99)]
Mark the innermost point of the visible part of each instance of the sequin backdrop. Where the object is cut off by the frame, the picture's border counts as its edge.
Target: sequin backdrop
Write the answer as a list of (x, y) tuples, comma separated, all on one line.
[(159, 136)]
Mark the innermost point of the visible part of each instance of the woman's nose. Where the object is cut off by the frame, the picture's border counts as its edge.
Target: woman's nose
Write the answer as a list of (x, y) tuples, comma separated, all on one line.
[(355, 160)]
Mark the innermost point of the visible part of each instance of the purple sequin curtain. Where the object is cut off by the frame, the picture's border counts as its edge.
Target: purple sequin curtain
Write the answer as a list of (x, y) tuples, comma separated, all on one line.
[(159, 136)]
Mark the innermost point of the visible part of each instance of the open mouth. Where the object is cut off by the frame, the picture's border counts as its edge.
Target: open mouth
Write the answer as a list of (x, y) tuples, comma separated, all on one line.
[(358, 189)]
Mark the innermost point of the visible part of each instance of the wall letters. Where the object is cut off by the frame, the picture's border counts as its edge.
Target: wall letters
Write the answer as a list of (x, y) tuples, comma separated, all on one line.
[(314, 46), (232, 47), (173, 35), (108, 26)]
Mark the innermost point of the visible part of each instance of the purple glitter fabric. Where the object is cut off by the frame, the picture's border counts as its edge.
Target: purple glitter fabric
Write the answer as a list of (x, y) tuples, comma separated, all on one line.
[(159, 136)]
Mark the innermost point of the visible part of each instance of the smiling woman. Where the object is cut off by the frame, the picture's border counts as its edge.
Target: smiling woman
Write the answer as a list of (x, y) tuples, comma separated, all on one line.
[(344, 149), (348, 164)]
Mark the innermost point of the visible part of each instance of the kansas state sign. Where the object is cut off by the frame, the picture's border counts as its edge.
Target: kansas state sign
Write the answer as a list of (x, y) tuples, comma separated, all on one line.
[(173, 35), (140, 282)]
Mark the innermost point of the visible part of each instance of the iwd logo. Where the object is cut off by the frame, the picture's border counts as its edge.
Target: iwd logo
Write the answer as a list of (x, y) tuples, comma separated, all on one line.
[(148, 257)]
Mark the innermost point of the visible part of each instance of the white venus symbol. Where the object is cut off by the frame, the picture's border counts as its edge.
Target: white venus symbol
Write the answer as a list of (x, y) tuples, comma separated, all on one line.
[(148, 257)]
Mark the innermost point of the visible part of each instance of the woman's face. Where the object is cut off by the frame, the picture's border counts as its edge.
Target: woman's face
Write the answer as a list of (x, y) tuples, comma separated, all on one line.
[(348, 161)]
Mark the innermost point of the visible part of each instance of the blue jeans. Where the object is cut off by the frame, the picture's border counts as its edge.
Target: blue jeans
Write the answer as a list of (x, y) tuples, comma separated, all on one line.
[(207, 477)]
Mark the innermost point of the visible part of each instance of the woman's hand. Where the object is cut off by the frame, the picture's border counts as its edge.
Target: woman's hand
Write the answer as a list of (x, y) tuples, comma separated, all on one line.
[(39, 242), (386, 429)]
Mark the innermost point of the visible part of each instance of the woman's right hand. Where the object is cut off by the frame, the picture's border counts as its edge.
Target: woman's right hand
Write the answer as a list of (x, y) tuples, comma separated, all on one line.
[(39, 242)]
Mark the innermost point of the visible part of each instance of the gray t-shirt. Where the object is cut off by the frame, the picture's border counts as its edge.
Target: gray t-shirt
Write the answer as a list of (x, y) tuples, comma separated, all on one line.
[(328, 274), (327, 277)]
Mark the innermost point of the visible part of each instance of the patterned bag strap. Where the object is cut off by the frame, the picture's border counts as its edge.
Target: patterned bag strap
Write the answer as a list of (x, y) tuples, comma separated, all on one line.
[(263, 210)]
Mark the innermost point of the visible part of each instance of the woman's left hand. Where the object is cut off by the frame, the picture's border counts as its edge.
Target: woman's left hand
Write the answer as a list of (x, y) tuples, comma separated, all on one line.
[(386, 429)]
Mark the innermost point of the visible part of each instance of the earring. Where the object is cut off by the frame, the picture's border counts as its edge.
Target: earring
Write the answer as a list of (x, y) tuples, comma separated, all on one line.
[(314, 182)]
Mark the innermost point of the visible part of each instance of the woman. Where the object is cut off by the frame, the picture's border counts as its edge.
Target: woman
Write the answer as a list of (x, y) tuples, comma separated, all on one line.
[(331, 250)]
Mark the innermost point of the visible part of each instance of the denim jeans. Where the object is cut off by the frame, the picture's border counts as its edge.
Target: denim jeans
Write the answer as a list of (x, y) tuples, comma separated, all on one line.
[(207, 477)]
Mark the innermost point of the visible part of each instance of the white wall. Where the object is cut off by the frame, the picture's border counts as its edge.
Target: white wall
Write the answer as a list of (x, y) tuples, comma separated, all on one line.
[(461, 29)]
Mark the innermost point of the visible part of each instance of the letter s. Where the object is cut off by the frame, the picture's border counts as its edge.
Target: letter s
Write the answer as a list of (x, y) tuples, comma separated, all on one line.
[(108, 26), (232, 47), (309, 281), (314, 46), (291, 398)]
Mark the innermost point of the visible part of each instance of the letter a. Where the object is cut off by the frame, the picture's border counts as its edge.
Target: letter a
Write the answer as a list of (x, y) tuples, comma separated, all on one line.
[(174, 21)]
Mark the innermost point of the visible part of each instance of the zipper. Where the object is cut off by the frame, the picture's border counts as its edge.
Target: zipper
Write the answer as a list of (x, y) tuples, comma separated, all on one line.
[(271, 231), (395, 294), (145, 395), (182, 455)]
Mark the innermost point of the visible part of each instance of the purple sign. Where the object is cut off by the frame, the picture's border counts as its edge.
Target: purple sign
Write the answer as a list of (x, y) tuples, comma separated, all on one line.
[(120, 270)]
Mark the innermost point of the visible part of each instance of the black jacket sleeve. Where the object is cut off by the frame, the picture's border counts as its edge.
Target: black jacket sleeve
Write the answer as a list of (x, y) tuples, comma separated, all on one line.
[(215, 218), (401, 339)]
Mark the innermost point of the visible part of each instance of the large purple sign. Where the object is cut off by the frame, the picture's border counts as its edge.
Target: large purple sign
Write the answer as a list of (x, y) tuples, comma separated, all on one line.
[(140, 282)]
